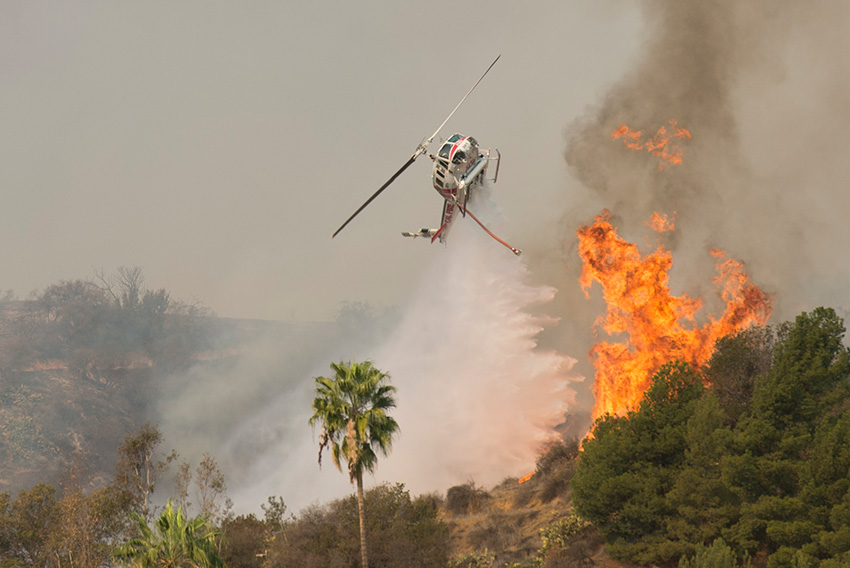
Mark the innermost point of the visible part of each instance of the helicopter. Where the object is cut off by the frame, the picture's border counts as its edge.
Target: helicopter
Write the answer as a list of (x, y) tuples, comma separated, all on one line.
[(460, 166)]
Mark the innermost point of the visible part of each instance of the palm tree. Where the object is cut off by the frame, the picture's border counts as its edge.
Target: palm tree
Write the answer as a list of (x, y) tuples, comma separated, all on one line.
[(352, 408), (176, 543)]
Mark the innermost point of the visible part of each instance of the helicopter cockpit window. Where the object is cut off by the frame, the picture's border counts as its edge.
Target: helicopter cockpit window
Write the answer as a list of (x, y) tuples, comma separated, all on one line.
[(445, 150), (455, 137)]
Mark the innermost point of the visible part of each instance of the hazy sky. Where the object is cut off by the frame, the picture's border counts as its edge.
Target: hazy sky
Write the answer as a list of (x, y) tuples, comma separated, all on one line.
[(219, 144)]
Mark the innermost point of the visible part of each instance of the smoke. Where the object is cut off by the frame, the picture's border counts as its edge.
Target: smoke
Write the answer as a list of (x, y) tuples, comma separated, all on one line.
[(476, 397), (764, 89)]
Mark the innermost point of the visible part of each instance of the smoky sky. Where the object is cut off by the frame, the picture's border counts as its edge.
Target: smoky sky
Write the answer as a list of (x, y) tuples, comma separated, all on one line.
[(763, 90), (219, 146)]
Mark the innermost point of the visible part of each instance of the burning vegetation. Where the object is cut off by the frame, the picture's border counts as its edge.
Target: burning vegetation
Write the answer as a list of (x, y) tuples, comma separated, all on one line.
[(658, 326)]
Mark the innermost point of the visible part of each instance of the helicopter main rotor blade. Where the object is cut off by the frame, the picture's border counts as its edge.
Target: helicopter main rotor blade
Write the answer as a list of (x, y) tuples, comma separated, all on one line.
[(377, 193), (431, 139)]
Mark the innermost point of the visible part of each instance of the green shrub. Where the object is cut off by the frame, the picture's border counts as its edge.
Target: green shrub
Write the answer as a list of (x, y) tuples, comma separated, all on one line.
[(718, 555), (557, 534)]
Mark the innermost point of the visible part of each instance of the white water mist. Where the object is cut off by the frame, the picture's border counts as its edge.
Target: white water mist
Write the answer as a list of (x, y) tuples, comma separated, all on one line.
[(476, 397)]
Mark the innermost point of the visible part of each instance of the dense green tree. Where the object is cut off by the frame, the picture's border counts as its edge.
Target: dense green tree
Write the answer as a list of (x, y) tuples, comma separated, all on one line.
[(702, 500), (758, 462), (738, 360), (352, 409), (173, 542), (718, 555), (782, 444), (629, 463)]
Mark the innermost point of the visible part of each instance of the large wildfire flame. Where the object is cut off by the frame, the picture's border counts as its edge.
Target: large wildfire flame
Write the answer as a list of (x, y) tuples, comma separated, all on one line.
[(640, 305)]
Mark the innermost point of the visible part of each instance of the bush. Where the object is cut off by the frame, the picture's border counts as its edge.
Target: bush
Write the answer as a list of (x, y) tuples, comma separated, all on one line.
[(718, 555), (557, 455), (478, 559), (466, 499), (400, 532), (556, 466)]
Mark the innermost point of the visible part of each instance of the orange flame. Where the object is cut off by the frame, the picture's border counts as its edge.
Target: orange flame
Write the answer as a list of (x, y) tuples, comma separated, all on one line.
[(659, 145), (660, 223), (635, 288)]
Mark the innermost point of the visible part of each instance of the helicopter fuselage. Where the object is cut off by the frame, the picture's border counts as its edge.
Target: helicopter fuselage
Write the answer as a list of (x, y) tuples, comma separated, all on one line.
[(458, 166)]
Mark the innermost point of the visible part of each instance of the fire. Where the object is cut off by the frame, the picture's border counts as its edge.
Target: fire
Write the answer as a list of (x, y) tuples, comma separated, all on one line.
[(660, 327), (661, 223), (525, 478), (659, 145)]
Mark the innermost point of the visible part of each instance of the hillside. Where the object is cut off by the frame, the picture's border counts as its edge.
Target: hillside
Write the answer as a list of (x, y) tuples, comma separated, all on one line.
[(508, 519), (70, 398), (744, 458)]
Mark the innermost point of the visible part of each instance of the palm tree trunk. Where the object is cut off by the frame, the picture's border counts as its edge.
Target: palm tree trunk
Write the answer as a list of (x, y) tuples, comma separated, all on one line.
[(362, 511)]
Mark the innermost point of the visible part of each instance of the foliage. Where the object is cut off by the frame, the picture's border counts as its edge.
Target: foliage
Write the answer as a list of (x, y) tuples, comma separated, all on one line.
[(247, 541), (173, 542), (140, 466), (556, 454), (39, 527), (352, 409), (562, 545), (24, 438), (274, 511), (558, 534), (758, 463), (73, 528), (476, 559), (738, 360), (212, 488), (466, 499), (556, 466), (105, 322), (718, 555), (629, 465), (403, 532)]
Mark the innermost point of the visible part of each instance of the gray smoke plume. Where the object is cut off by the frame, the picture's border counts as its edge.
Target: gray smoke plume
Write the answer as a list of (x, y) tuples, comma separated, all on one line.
[(764, 89)]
